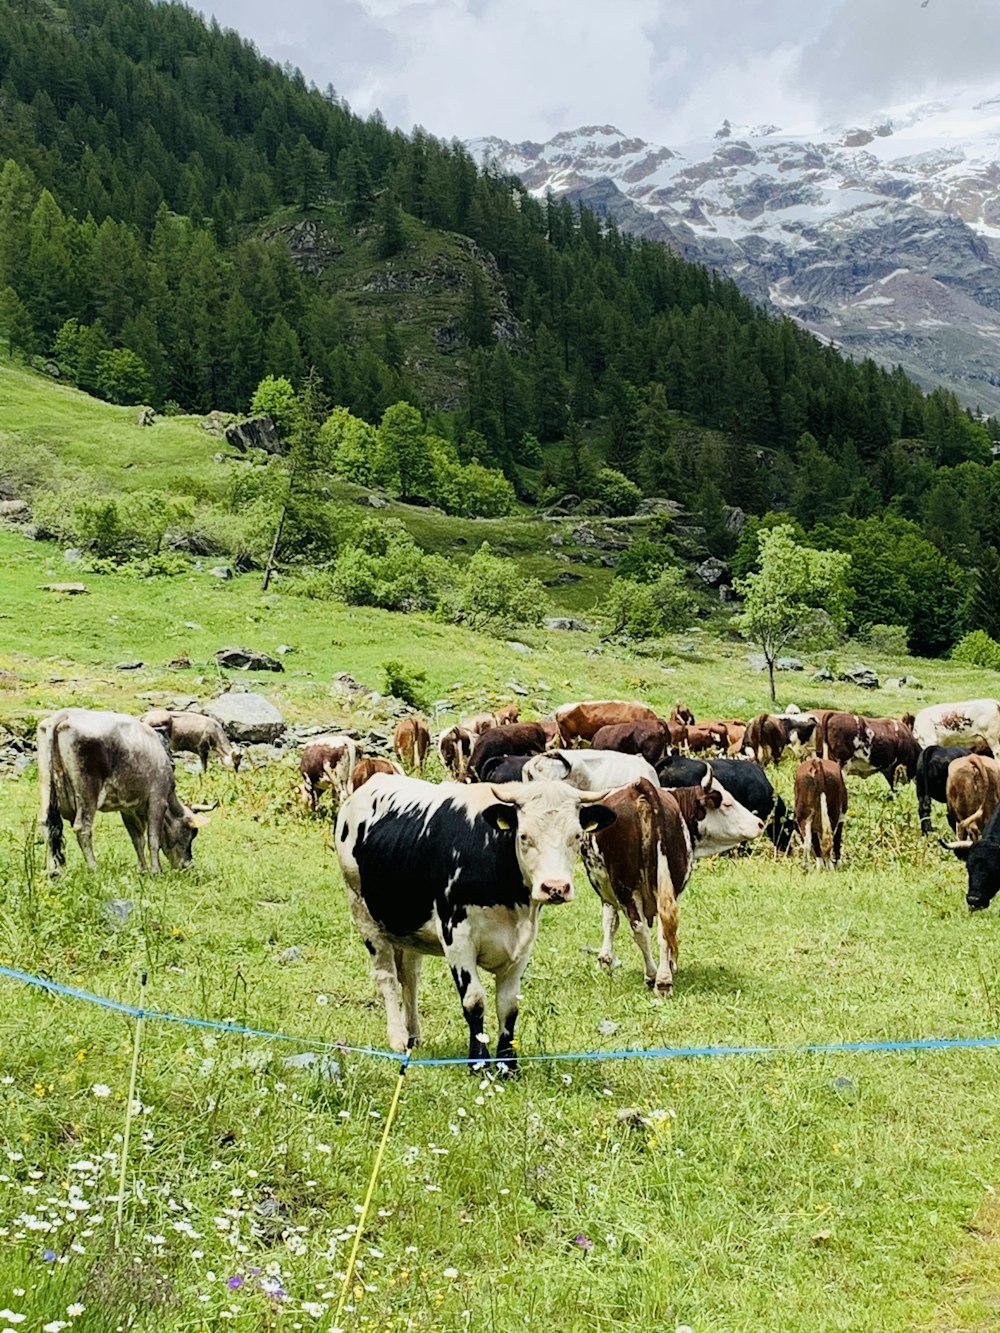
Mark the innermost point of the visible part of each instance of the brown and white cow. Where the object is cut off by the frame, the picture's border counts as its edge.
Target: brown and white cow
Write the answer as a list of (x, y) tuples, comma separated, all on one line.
[(820, 807), (326, 764), (367, 768), (960, 724), (766, 738), (867, 745), (581, 721), (972, 793), (704, 736), (90, 760), (507, 714), (455, 748), (650, 739), (681, 714), (194, 733), (479, 722), (411, 741)]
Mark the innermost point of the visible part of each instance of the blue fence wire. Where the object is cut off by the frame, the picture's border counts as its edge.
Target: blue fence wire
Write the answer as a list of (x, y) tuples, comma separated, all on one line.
[(863, 1047)]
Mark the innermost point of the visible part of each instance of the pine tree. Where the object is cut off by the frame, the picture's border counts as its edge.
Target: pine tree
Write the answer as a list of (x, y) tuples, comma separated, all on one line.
[(390, 238), (15, 323)]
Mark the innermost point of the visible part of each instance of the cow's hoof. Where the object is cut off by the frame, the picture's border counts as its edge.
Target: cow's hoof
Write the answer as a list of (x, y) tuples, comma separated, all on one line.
[(664, 989), (507, 1066), (606, 961), (650, 983)]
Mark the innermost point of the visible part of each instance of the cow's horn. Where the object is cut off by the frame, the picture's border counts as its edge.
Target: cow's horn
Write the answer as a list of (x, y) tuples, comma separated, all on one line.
[(706, 781), (591, 797), (956, 846), (504, 800), (203, 809)]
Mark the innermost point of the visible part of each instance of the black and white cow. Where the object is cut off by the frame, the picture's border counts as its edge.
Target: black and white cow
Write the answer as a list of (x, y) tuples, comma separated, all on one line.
[(746, 782), (932, 778), (460, 871)]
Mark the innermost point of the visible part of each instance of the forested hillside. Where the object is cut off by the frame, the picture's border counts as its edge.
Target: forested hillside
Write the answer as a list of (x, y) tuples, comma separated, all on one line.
[(180, 218)]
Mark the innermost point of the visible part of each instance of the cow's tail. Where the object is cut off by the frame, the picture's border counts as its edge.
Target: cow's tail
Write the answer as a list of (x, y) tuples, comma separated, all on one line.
[(49, 819), (825, 828)]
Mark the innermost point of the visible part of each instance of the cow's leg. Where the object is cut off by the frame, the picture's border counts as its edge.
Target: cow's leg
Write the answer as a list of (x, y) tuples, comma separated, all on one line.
[(203, 750), (83, 821), (838, 835), (508, 995), (805, 831), (408, 968), (460, 954), (383, 968), (137, 832), (924, 811), (640, 933), (606, 957), (156, 813), (668, 915)]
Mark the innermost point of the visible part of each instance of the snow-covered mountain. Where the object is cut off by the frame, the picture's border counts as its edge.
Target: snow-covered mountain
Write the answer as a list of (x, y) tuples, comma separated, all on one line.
[(884, 237)]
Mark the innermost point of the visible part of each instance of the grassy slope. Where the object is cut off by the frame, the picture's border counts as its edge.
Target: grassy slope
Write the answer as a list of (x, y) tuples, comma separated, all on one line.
[(758, 1192)]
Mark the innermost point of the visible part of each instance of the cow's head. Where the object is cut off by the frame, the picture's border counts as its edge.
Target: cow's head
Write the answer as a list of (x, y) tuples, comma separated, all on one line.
[(179, 831), (548, 821), (550, 767), (726, 822), (236, 758), (983, 867)]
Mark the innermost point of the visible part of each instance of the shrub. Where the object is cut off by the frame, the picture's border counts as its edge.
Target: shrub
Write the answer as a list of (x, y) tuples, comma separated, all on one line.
[(494, 594), (406, 683), (274, 397), (383, 566), (888, 639), (644, 610), (977, 649), (614, 493)]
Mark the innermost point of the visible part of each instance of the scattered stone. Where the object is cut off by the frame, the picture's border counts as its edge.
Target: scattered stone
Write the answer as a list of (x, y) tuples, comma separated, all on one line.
[(323, 1065), (221, 572), (72, 555), (608, 561), (15, 510), (607, 1028), (565, 622), (70, 589), (843, 1086), (52, 369), (248, 719), (712, 572), (556, 539), (179, 663), (291, 955), (517, 688), (824, 673), (128, 666), (215, 423), (254, 433), (657, 504), (247, 659), (373, 501), (344, 683), (516, 647), (118, 910), (145, 416), (759, 663), (861, 675)]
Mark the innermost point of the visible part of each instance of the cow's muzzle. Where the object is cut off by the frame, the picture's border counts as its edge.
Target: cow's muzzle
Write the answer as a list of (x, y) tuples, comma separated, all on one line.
[(977, 904), (554, 891)]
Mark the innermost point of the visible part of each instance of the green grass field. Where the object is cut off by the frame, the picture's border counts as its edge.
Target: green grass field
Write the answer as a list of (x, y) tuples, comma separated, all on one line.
[(789, 1192)]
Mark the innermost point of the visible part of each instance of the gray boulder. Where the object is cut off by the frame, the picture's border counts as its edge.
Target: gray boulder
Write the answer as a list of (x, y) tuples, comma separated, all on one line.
[(248, 719), (15, 510), (221, 572), (254, 433), (247, 659), (713, 572), (824, 673), (861, 675), (373, 501), (565, 622), (759, 663)]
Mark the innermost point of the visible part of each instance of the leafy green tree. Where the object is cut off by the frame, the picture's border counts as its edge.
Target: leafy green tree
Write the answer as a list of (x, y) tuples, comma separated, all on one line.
[(349, 446), (122, 377), (614, 492), (494, 595), (15, 323), (798, 594), (383, 566), (275, 397), (390, 237), (403, 458), (635, 610)]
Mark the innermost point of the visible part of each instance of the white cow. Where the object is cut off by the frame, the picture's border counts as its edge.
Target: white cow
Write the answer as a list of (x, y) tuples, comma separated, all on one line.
[(589, 770), (960, 724)]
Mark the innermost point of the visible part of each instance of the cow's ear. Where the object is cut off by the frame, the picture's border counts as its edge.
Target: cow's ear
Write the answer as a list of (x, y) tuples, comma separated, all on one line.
[(197, 821), (502, 816), (713, 798), (594, 818)]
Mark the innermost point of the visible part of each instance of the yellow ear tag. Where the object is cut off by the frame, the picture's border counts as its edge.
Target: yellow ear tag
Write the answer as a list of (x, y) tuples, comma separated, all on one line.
[(503, 824), (589, 822)]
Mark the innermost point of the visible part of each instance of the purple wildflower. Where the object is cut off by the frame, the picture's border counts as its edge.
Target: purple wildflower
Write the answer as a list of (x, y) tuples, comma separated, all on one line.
[(49, 1256), (584, 1242), (234, 1282)]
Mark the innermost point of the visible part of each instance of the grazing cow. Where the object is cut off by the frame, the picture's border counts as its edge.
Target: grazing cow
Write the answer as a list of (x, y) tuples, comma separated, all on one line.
[(411, 740), (460, 871), (982, 865), (581, 721), (747, 783), (505, 768), (682, 714), (367, 768), (550, 729), (708, 736), (960, 724), (820, 807), (643, 870), (518, 738), (326, 764), (972, 792), (507, 714), (737, 730), (767, 737), (932, 778), (194, 733), (650, 739), (478, 723), (588, 770), (455, 746), (867, 745), (92, 760)]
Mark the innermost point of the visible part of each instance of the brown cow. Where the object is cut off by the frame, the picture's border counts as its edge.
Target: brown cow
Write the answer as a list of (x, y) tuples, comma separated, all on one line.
[(972, 794), (708, 736), (478, 723), (455, 746), (867, 745), (650, 739), (579, 722), (736, 731), (551, 730), (411, 741), (766, 738), (193, 733), (820, 807), (517, 738), (682, 714), (367, 768), (507, 714), (326, 764)]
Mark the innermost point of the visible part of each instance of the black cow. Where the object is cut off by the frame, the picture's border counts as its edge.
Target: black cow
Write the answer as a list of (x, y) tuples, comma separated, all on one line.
[(505, 767), (746, 782), (983, 866), (515, 738), (932, 778), (460, 871)]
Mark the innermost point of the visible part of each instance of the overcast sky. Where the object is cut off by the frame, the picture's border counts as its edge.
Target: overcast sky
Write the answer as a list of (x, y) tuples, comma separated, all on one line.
[(665, 70)]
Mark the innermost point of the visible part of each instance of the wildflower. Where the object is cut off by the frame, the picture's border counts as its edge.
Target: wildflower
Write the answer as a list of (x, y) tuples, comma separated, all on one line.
[(450, 1274), (11, 1317), (322, 999), (101, 1090), (584, 1242), (234, 1282), (75, 1310), (49, 1256)]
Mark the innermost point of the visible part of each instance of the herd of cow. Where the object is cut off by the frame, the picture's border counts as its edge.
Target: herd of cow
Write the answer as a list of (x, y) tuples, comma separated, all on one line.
[(462, 868)]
